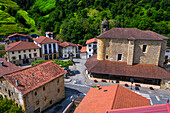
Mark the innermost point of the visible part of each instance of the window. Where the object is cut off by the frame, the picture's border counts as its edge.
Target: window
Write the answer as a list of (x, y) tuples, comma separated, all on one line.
[(44, 88), (90, 45), (45, 98), (13, 58), (58, 90), (119, 56), (144, 48), (13, 52), (19, 51), (89, 55), (35, 93), (72, 47), (34, 49), (35, 58), (20, 57), (29, 50), (106, 56), (65, 55), (89, 49), (58, 81), (51, 101), (29, 55), (24, 51), (35, 54), (25, 56), (65, 51), (37, 102), (167, 50)]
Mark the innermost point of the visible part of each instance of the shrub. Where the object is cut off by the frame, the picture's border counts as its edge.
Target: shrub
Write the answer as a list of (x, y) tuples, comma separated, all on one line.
[(2, 53), (37, 62)]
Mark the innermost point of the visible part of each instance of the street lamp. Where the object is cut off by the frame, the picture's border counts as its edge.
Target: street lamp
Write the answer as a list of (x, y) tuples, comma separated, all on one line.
[(131, 80)]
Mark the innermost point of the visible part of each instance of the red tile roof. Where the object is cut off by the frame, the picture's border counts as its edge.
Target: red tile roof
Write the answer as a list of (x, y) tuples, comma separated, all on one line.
[(65, 44), (161, 108), (79, 45), (7, 67), (91, 40), (44, 40), (122, 69), (83, 49), (108, 98), (21, 45), (131, 33), (17, 34), (34, 77)]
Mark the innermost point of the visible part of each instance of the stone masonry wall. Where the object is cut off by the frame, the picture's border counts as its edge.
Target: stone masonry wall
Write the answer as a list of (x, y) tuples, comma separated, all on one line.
[(100, 49), (54, 91), (151, 56)]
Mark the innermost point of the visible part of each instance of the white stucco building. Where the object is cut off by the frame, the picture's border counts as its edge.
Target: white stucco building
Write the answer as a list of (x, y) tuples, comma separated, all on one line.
[(91, 47)]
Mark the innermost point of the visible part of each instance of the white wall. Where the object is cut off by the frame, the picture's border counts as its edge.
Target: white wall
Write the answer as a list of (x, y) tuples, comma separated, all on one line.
[(67, 49), (88, 48)]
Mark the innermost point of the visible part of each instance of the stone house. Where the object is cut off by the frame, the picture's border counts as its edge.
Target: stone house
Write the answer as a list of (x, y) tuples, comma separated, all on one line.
[(66, 49), (91, 47), (35, 88), (124, 53), (22, 52), (49, 47), (18, 37)]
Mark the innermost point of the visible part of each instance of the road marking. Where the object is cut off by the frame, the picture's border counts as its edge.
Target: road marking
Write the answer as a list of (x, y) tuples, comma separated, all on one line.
[(157, 98)]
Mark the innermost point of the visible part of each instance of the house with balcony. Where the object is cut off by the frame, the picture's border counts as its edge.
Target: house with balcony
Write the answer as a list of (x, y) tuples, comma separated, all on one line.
[(18, 37), (49, 47), (91, 47), (22, 52), (67, 49)]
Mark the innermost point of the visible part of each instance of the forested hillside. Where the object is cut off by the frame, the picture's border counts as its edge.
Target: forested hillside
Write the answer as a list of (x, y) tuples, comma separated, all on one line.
[(79, 20)]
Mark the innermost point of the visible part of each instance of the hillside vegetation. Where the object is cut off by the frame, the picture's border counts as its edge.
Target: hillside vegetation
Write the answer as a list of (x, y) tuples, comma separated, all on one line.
[(79, 20)]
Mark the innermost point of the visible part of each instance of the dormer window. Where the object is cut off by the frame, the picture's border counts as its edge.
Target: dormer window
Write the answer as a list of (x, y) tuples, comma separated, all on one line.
[(144, 48)]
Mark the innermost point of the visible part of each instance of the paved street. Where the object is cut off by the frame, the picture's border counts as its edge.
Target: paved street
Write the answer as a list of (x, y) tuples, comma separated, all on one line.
[(81, 84)]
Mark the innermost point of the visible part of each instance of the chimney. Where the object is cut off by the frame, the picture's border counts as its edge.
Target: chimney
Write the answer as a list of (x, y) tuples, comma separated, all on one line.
[(2, 63), (17, 82), (98, 87)]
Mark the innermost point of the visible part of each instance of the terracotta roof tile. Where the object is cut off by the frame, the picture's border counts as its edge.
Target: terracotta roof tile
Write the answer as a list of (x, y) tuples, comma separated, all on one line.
[(33, 77), (65, 44), (17, 34), (161, 108), (108, 98), (7, 67), (79, 45), (121, 68), (21, 45), (128, 33), (44, 40), (91, 40), (83, 49)]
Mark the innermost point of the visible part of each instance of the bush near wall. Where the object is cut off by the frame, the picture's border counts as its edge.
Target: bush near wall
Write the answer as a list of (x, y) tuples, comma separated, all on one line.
[(2, 53), (8, 106), (58, 62), (2, 47)]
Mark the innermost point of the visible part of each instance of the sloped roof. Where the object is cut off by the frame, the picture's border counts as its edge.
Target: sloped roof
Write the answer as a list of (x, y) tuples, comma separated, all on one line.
[(83, 49), (91, 40), (33, 77), (161, 108), (131, 33), (44, 40), (65, 44), (21, 45), (122, 69), (7, 67), (79, 45), (108, 98), (17, 34)]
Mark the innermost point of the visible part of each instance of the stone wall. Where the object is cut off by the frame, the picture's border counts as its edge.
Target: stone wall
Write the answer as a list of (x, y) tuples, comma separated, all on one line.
[(151, 56), (165, 84), (132, 51), (54, 92)]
